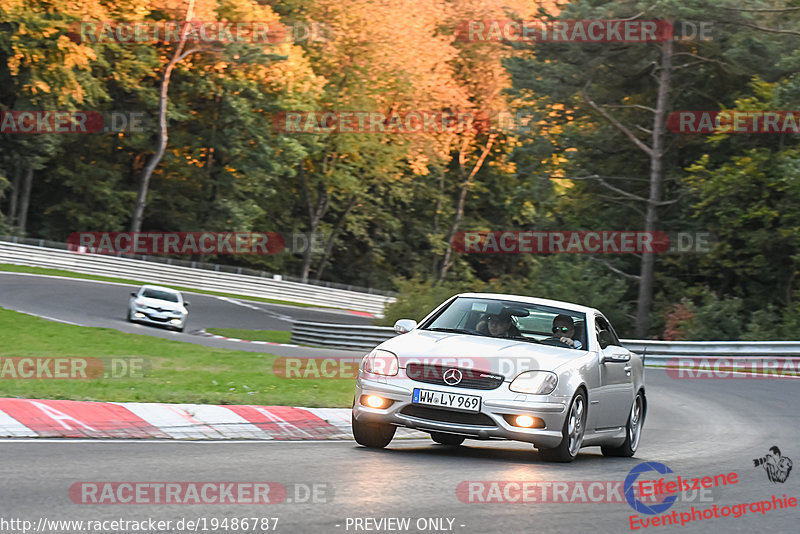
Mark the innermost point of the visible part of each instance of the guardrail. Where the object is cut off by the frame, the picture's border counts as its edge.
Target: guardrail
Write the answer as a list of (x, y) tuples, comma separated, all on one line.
[(656, 353), (235, 280)]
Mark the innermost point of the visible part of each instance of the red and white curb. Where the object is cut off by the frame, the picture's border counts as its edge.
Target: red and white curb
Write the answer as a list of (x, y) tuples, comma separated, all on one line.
[(215, 336), (31, 418)]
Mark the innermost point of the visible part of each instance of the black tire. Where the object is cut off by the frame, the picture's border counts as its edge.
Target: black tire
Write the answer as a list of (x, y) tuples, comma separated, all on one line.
[(372, 435), (450, 440), (129, 317), (572, 436), (633, 431)]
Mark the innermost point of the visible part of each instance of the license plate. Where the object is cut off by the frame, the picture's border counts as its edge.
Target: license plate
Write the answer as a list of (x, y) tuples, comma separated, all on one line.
[(455, 401)]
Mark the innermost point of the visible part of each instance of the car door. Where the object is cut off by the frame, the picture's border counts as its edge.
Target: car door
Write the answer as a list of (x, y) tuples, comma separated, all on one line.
[(616, 380)]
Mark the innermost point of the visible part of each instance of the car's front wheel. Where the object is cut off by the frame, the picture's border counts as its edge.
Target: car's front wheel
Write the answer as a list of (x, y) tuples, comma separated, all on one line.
[(447, 439), (633, 431), (373, 435), (574, 428), (129, 316)]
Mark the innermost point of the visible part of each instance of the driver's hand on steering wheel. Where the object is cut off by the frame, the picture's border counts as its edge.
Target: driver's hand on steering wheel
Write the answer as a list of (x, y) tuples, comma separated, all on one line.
[(567, 341)]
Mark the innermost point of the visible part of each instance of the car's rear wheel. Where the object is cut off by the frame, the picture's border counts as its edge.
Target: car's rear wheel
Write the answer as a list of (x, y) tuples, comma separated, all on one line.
[(574, 428), (447, 439), (633, 431), (373, 435)]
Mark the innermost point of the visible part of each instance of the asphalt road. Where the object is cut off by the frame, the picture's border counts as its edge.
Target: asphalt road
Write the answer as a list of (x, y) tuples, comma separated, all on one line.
[(696, 427), (103, 304)]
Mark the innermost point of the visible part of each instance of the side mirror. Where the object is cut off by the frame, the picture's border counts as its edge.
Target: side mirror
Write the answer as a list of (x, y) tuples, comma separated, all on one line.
[(403, 326), (186, 303), (133, 294)]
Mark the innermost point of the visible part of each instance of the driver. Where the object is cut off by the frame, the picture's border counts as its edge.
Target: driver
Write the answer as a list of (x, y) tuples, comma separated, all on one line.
[(564, 331)]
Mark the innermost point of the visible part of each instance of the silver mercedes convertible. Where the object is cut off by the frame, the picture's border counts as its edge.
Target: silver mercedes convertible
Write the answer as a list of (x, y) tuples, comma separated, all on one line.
[(491, 366)]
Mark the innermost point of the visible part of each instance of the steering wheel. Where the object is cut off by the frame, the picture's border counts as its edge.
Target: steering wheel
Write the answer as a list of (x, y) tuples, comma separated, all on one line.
[(554, 342)]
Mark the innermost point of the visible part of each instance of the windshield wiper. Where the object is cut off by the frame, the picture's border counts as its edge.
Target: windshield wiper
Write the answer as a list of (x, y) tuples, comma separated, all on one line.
[(452, 330), (528, 339)]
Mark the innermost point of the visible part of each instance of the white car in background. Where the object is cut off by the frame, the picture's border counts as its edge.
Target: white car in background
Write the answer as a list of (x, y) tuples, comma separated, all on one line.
[(160, 306)]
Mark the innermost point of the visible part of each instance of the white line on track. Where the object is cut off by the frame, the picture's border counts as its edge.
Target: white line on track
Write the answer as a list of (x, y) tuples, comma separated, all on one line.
[(45, 317), (204, 441)]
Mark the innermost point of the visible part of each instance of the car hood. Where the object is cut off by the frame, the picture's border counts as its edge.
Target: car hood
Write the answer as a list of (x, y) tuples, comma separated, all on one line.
[(163, 304), (499, 355)]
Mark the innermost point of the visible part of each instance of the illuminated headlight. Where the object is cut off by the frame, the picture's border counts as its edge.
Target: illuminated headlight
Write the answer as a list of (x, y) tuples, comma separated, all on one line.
[(534, 382), (373, 401), (175, 321), (525, 421), (380, 362), (138, 315)]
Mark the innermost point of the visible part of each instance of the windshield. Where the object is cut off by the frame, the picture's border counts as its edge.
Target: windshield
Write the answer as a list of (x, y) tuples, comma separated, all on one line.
[(511, 319), (160, 295)]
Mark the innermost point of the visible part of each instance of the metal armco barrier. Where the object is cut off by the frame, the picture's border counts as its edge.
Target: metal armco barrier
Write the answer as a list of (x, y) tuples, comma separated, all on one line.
[(340, 335), (156, 272), (656, 353)]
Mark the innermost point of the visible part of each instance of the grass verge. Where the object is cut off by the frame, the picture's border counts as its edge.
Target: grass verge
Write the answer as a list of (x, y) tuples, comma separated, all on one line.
[(178, 372)]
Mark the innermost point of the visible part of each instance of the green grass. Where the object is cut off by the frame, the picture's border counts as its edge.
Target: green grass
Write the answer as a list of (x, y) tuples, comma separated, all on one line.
[(69, 274), (273, 336), (178, 372)]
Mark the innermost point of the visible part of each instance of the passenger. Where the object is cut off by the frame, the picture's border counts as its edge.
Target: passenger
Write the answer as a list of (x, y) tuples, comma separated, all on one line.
[(499, 325)]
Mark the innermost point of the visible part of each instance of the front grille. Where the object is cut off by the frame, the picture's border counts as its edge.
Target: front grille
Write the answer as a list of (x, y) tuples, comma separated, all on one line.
[(471, 378), (447, 416), (159, 319)]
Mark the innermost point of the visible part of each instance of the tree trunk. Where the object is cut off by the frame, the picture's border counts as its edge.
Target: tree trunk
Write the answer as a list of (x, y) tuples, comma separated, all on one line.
[(26, 199), (155, 159), (462, 197), (434, 258), (329, 245), (13, 201), (315, 214), (645, 299)]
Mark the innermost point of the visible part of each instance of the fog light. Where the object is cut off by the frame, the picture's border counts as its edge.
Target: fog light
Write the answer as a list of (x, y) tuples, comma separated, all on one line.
[(138, 315), (525, 421), (175, 321), (373, 401)]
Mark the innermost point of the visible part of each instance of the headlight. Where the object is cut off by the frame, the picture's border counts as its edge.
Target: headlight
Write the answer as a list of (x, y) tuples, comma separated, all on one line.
[(534, 382), (140, 303), (380, 362)]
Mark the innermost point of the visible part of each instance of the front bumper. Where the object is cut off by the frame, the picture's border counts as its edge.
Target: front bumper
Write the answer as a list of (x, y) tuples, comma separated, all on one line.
[(148, 316), (491, 423)]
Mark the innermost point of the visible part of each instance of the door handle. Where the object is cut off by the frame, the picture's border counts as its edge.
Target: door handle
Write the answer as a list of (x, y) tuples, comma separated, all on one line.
[(627, 369)]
